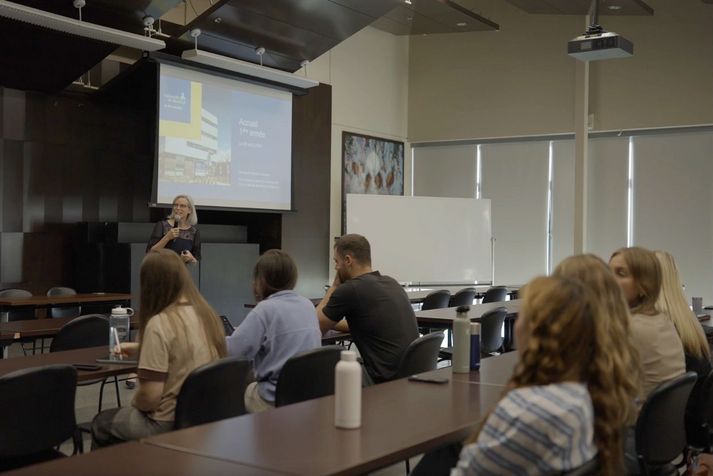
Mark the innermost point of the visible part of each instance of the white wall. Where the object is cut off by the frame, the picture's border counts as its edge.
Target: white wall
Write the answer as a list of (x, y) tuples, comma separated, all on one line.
[(369, 77)]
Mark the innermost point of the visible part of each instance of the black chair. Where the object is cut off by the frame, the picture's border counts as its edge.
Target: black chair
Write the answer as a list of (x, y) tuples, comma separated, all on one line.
[(213, 392), (38, 414), (491, 327), (495, 294), (590, 468), (660, 431), (19, 315), (91, 330), (706, 396), (436, 300), (464, 297), (420, 356), (74, 311), (308, 375)]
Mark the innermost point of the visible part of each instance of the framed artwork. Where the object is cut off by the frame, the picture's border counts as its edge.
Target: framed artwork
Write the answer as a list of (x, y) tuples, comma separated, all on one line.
[(370, 165)]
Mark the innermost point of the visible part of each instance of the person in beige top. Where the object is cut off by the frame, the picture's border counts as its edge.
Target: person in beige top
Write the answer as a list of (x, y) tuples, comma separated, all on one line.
[(178, 332), (638, 272)]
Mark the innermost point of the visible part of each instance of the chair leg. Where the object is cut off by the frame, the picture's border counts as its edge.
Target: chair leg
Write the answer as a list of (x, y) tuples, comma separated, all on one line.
[(78, 442), (116, 386), (408, 466)]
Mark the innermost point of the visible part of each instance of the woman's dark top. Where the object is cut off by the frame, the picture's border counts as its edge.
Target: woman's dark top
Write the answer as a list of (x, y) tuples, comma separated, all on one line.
[(188, 239)]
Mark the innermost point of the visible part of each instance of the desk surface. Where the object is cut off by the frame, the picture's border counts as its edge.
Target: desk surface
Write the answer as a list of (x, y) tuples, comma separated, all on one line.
[(79, 356), (47, 301), (446, 315), (400, 419), (135, 459), (40, 327)]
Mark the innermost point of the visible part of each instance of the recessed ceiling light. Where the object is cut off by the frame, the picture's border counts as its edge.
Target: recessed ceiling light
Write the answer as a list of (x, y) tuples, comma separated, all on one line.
[(409, 18), (407, 2), (614, 8), (461, 23), (218, 20)]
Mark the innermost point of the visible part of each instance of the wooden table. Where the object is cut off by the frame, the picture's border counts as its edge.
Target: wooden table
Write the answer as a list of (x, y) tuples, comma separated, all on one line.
[(38, 302), (135, 459), (444, 317), (79, 356), (39, 328), (400, 419)]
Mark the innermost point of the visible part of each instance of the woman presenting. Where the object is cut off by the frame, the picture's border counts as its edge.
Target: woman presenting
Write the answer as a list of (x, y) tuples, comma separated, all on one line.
[(178, 232)]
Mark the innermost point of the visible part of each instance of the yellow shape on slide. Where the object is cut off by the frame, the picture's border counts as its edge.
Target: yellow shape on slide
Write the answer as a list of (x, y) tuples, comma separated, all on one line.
[(191, 130)]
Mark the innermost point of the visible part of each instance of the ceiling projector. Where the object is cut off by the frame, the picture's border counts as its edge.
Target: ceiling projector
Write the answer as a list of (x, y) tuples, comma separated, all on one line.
[(600, 46)]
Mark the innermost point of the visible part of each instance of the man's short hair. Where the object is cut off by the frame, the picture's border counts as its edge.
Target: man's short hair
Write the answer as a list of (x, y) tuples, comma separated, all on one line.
[(355, 245)]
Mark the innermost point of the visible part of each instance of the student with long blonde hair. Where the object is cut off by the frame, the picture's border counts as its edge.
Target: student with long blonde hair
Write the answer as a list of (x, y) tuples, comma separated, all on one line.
[(673, 303), (639, 275), (178, 332), (561, 408)]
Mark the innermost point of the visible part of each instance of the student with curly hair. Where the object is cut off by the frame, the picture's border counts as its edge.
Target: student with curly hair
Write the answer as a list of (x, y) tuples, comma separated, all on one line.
[(562, 406)]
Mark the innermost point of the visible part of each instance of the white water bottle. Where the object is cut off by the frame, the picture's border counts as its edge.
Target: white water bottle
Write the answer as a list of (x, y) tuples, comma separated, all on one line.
[(461, 341), (119, 326), (347, 391)]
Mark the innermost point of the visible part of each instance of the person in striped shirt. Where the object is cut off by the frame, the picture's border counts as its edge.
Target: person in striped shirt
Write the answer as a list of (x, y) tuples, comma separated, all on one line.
[(562, 384)]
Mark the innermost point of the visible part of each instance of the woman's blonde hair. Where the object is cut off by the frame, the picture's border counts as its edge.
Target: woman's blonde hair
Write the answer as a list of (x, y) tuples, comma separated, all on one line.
[(646, 271), (193, 217), (672, 301), (568, 342), (165, 281)]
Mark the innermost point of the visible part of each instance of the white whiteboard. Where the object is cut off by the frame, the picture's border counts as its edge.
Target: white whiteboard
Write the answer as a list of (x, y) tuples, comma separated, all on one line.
[(426, 240)]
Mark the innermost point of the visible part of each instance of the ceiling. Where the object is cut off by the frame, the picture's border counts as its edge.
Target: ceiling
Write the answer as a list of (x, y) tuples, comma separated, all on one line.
[(290, 31), (581, 7)]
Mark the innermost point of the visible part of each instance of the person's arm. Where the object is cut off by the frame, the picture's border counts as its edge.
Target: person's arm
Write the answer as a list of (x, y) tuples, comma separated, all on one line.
[(148, 394), (246, 339), (333, 307), (153, 370), (158, 239), (196, 250)]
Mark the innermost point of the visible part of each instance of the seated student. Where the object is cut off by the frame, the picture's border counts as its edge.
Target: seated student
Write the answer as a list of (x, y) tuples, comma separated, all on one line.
[(673, 303), (639, 275), (279, 327), (377, 310), (178, 332), (561, 407)]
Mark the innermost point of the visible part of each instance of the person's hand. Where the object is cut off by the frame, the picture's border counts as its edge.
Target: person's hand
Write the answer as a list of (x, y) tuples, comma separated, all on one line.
[(188, 257), (128, 349), (173, 233)]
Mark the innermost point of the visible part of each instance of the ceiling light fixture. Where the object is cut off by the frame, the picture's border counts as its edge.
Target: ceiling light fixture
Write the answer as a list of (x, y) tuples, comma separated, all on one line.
[(614, 8), (63, 24), (245, 67)]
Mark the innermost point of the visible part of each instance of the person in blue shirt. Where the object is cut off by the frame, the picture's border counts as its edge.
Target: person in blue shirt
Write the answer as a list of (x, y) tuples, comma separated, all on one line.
[(282, 325)]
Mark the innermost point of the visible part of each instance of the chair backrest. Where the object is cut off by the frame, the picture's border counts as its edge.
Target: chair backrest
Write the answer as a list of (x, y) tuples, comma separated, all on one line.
[(660, 431), (18, 314), (464, 297), (74, 311), (308, 375), (590, 468), (491, 325), (421, 355), (212, 392), (436, 300), (707, 409), (38, 410), (495, 294), (91, 330)]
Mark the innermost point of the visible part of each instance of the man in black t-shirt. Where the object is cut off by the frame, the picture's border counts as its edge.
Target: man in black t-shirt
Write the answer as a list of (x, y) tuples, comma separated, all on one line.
[(377, 310)]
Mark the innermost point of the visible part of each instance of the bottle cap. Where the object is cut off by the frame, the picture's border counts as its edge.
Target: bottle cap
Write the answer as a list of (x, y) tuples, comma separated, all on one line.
[(120, 310), (349, 355), (462, 309)]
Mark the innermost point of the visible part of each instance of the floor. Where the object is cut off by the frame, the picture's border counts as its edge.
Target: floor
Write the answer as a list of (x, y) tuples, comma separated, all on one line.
[(87, 401)]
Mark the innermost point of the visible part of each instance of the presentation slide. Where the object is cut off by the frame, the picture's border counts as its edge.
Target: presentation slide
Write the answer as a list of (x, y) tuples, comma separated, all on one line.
[(225, 142)]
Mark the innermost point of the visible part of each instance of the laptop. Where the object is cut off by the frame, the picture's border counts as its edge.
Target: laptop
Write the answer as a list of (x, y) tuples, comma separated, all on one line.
[(109, 359)]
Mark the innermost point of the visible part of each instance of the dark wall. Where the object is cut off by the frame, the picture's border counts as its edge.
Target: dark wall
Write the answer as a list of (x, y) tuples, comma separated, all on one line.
[(66, 159)]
